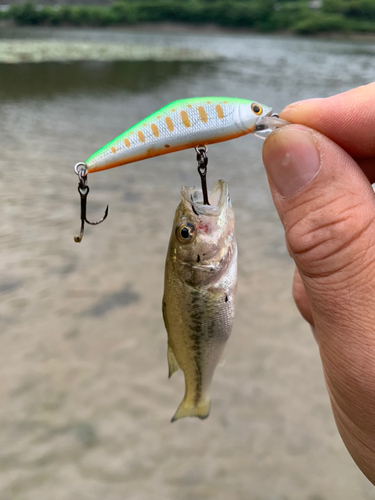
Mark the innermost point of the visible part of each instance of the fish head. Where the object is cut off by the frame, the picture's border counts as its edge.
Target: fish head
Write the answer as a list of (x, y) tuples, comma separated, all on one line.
[(202, 241), (251, 113)]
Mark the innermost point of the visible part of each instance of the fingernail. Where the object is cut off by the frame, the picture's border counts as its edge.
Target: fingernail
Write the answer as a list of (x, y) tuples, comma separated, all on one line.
[(291, 159)]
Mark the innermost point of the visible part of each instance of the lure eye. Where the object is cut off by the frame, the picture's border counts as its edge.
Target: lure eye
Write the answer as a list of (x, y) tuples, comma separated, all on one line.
[(256, 108), (185, 233)]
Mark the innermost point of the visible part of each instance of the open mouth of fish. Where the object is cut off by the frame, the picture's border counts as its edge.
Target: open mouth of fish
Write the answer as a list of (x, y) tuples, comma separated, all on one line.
[(218, 198)]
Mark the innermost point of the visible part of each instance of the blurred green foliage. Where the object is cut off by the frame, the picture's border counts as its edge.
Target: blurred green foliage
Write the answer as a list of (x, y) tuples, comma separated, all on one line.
[(261, 15), (362, 9), (319, 22)]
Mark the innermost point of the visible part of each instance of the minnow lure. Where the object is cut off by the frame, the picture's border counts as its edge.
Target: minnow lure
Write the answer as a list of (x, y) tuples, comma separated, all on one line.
[(183, 124)]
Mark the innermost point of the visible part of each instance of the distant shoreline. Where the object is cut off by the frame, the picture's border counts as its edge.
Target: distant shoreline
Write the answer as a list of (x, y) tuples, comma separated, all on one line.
[(202, 29)]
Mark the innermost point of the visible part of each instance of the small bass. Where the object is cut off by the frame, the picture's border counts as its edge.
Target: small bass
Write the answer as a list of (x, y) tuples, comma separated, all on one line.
[(183, 124), (200, 292)]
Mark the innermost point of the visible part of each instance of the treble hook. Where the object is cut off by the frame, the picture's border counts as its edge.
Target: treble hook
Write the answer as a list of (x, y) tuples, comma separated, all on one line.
[(202, 170), (83, 189)]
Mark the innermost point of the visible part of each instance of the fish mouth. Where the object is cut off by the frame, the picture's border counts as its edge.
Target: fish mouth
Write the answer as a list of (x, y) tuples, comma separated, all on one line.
[(218, 198)]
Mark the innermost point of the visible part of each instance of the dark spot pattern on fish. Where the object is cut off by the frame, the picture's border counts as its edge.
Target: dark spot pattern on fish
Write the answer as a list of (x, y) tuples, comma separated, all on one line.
[(122, 298), (198, 258), (226, 298), (196, 337)]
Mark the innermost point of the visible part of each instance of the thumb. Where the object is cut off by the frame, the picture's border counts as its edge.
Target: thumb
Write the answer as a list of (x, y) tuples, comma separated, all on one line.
[(327, 208)]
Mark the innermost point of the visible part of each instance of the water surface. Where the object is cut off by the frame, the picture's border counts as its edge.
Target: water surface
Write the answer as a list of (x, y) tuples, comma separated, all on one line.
[(85, 400)]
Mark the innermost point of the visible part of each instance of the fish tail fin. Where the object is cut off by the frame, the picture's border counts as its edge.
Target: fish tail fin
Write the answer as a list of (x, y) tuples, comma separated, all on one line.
[(200, 410)]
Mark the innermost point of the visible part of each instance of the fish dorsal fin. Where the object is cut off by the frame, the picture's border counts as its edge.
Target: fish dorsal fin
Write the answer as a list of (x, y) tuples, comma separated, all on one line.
[(172, 361)]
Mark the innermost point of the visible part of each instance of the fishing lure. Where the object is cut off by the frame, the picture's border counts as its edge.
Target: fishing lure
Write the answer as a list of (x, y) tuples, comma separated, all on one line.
[(180, 125), (183, 124)]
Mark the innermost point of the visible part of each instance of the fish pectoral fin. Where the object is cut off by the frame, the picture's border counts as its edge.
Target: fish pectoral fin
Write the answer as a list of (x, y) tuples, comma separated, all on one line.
[(200, 410), (172, 362)]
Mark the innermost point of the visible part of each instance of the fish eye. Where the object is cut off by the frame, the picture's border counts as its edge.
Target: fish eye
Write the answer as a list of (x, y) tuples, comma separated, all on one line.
[(185, 233), (256, 108)]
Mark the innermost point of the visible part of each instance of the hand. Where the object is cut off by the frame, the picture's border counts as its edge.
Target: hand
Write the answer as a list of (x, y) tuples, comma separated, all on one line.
[(320, 173)]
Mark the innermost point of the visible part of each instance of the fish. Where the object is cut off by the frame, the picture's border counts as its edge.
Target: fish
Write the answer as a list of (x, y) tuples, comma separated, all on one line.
[(182, 124), (200, 292)]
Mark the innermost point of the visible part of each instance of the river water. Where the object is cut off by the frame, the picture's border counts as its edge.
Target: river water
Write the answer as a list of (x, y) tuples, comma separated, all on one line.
[(85, 399)]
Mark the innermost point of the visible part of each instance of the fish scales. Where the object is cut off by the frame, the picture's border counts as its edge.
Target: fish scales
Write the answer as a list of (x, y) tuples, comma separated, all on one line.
[(199, 294), (180, 125)]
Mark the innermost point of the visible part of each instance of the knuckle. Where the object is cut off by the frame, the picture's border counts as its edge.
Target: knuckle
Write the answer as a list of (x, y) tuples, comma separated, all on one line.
[(319, 237)]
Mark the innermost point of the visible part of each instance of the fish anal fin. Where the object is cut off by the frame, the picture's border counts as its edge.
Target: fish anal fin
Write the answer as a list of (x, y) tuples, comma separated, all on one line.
[(200, 410), (172, 362)]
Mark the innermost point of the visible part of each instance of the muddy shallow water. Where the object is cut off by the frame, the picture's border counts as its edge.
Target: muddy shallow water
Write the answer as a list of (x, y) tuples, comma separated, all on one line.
[(85, 399)]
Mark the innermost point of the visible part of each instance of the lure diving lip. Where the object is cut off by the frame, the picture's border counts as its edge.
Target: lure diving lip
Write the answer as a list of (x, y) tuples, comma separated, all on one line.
[(183, 124)]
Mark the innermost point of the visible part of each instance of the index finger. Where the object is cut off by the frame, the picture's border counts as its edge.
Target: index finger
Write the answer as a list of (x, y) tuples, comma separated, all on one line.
[(348, 119)]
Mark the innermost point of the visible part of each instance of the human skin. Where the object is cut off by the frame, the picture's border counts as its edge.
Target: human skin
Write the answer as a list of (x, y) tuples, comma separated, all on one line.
[(320, 171)]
